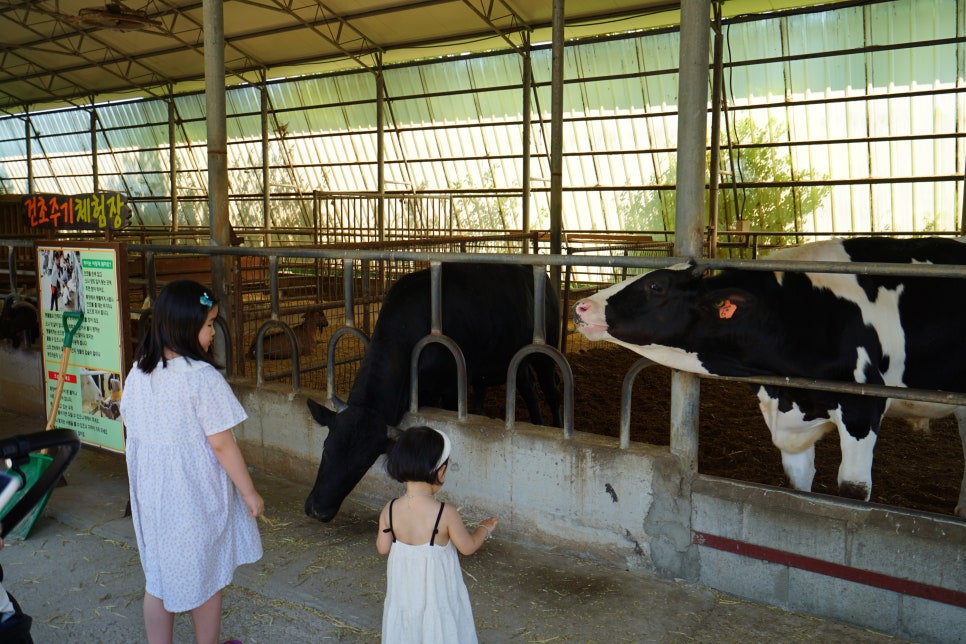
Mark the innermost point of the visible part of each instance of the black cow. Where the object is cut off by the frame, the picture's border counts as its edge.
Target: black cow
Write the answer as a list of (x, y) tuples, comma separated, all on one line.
[(487, 310), (883, 330)]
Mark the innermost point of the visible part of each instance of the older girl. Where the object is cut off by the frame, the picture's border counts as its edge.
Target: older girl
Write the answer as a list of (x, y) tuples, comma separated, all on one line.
[(192, 499)]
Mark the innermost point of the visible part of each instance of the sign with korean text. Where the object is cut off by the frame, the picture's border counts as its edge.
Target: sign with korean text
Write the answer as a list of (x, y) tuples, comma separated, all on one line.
[(94, 211), (86, 279)]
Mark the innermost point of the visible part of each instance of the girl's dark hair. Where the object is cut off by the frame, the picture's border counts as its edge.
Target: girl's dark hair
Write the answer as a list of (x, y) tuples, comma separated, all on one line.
[(414, 456), (177, 316)]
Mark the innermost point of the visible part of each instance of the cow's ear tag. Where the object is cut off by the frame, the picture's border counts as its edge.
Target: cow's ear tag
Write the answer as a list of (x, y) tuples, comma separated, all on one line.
[(726, 309)]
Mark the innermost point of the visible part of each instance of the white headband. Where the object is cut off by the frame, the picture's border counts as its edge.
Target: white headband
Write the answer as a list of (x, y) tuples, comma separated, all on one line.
[(446, 447)]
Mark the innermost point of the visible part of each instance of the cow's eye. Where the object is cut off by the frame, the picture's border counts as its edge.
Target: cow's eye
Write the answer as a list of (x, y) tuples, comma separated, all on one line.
[(654, 286)]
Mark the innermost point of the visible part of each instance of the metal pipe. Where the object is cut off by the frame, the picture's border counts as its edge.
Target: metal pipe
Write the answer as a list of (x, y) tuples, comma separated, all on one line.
[(266, 166), (556, 136), (527, 135), (95, 171), (172, 162), (692, 138), (380, 152), (28, 140), (714, 166), (215, 120)]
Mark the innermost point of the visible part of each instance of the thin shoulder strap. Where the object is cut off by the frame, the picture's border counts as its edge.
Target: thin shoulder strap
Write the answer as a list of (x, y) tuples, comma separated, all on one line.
[(432, 540), (389, 529)]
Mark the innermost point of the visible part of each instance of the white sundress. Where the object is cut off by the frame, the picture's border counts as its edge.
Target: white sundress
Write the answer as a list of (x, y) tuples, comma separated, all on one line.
[(192, 525), (426, 597)]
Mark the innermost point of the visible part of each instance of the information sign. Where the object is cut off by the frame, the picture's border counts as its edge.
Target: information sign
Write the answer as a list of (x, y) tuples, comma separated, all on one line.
[(85, 278)]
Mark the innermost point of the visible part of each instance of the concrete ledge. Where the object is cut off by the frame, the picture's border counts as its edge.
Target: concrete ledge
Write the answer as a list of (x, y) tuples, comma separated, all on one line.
[(896, 571), (583, 496)]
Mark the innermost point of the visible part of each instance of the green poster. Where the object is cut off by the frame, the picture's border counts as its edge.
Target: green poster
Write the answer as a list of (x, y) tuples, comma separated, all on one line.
[(80, 279)]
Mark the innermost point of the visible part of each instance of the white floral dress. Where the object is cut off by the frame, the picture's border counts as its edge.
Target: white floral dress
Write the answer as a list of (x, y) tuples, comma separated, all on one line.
[(192, 526)]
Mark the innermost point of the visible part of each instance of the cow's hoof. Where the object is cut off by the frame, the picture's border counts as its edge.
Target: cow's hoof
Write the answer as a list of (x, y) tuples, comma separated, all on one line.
[(855, 490)]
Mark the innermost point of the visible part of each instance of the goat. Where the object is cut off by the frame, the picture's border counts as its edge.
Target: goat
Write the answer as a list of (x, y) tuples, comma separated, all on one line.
[(276, 345)]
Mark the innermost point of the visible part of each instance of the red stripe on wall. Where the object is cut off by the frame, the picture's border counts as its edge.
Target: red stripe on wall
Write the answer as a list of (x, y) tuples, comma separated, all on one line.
[(878, 580)]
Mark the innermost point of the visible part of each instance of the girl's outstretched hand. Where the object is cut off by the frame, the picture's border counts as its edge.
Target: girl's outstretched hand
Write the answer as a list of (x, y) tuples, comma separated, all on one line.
[(490, 525)]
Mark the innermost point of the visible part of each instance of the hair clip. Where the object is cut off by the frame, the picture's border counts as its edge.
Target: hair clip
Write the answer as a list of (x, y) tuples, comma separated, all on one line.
[(206, 300)]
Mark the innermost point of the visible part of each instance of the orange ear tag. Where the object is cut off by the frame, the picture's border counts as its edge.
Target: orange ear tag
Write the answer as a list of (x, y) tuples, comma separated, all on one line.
[(726, 310)]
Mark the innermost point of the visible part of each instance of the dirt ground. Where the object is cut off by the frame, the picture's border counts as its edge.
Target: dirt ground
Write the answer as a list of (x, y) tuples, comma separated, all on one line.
[(912, 469)]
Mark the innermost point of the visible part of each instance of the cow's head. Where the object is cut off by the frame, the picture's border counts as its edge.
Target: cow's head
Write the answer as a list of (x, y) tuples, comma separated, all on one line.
[(658, 308), (357, 436)]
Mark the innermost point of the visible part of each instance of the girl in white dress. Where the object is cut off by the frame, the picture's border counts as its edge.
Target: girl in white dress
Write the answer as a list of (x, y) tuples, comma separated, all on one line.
[(192, 499), (426, 597)]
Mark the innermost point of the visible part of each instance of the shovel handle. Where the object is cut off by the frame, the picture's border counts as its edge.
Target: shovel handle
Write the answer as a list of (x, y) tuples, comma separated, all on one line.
[(69, 330), (72, 322)]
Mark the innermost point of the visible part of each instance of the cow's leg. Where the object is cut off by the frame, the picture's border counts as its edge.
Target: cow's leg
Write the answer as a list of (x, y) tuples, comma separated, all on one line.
[(800, 468), (795, 437), (858, 419), (961, 419), (855, 470), (528, 391), (546, 371)]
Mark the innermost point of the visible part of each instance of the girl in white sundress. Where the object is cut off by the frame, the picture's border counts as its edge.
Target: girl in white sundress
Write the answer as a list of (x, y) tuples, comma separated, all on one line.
[(426, 598), (192, 499)]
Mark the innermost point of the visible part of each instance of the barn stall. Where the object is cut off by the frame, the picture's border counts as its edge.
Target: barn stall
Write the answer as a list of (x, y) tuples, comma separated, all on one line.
[(736, 506), (667, 530)]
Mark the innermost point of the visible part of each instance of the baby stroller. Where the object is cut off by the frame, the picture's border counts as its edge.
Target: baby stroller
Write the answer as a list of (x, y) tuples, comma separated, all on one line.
[(15, 451)]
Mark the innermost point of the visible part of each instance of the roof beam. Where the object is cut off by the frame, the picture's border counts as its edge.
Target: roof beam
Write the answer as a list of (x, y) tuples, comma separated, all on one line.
[(486, 14)]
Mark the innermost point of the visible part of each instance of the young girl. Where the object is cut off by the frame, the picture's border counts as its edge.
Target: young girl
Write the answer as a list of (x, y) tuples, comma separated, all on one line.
[(426, 598), (192, 498)]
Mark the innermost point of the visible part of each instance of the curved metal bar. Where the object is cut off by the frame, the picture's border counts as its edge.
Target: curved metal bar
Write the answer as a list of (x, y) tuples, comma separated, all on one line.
[(260, 357), (12, 265), (568, 385), (539, 312), (224, 329), (330, 355), (627, 389), (454, 349), (273, 285), (143, 323), (149, 268)]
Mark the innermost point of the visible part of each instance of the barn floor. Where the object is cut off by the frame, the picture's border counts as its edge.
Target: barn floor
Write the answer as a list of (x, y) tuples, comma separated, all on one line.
[(78, 576)]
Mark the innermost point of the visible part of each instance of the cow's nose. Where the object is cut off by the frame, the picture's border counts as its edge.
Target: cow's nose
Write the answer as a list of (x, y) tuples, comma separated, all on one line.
[(581, 307)]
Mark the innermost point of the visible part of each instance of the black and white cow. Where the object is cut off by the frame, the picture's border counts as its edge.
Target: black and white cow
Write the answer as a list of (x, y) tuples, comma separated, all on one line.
[(487, 309), (884, 330)]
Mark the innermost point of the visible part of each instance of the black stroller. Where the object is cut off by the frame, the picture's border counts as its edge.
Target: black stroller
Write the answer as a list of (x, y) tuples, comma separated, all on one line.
[(16, 452)]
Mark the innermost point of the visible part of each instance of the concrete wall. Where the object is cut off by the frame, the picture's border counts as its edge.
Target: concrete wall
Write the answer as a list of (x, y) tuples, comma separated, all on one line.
[(583, 495), (21, 381), (893, 571)]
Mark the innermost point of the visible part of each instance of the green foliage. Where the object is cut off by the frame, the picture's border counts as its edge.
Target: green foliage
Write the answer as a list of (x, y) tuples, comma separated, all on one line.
[(479, 212), (778, 209)]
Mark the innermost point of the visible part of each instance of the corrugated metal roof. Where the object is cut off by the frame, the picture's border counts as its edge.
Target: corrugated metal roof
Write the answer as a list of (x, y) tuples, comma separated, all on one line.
[(456, 124)]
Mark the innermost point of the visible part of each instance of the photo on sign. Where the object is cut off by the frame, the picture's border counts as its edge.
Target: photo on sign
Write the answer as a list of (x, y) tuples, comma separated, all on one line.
[(101, 393), (62, 280)]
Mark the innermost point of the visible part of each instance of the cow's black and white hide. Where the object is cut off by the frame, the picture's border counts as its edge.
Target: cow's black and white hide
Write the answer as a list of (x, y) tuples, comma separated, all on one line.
[(487, 309), (883, 330)]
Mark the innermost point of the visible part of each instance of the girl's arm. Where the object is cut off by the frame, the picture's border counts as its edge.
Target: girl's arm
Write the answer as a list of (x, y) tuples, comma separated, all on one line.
[(227, 452), (465, 541), (384, 539)]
